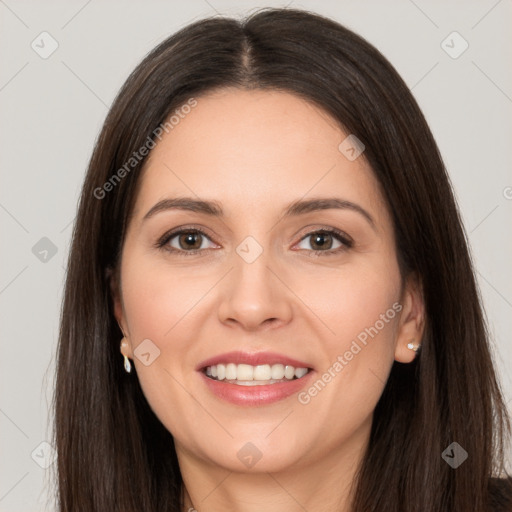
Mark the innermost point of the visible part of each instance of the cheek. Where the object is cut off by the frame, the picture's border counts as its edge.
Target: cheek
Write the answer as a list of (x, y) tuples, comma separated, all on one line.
[(159, 305), (354, 299), (157, 297), (360, 309)]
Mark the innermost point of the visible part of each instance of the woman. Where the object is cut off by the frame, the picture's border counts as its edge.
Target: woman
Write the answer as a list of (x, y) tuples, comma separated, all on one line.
[(270, 302)]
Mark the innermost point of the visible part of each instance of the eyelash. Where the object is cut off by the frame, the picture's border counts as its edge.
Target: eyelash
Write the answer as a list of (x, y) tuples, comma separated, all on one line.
[(346, 241)]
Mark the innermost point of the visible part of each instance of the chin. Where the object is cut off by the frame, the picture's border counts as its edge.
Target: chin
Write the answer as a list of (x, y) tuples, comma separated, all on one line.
[(255, 457)]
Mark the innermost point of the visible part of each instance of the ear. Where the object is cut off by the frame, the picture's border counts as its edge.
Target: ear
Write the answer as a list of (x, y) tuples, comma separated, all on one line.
[(412, 320), (115, 292)]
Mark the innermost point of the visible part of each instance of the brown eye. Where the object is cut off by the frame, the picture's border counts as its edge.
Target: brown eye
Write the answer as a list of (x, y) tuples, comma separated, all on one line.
[(325, 242), (190, 241), (185, 241), (321, 240)]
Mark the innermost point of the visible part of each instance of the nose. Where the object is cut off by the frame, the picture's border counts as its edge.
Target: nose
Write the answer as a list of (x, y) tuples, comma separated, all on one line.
[(254, 296)]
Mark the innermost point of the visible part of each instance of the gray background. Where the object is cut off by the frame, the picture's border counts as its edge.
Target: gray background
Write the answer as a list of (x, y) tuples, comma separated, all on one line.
[(52, 110)]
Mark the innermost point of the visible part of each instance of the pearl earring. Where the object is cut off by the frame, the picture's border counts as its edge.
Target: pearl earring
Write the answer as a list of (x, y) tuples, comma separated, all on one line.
[(412, 346), (127, 364)]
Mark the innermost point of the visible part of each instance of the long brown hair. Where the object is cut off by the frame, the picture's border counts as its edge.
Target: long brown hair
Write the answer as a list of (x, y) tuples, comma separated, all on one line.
[(113, 452)]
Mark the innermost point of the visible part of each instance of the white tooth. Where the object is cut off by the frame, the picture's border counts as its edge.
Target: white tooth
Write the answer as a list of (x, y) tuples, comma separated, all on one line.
[(262, 372), (244, 372), (289, 372), (248, 373), (300, 372), (277, 371), (231, 371)]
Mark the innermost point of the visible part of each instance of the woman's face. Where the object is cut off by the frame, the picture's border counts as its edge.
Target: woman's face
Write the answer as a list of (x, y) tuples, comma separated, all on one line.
[(276, 274)]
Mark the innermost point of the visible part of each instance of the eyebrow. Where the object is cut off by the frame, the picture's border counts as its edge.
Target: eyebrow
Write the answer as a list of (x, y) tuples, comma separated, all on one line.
[(296, 208)]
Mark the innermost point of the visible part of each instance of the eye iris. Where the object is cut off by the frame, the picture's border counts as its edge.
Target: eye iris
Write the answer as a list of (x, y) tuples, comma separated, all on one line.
[(319, 240), (191, 241)]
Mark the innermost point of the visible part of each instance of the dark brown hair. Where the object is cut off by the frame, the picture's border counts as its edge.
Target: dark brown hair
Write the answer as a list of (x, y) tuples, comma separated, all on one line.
[(113, 452)]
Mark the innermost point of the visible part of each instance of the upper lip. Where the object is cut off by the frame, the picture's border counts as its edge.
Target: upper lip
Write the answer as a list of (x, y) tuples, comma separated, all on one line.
[(254, 359)]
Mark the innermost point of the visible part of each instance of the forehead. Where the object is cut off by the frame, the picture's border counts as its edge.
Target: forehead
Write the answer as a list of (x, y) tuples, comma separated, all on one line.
[(254, 148)]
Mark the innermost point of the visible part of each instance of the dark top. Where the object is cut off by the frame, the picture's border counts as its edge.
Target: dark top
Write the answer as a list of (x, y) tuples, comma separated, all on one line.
[(500, 494)]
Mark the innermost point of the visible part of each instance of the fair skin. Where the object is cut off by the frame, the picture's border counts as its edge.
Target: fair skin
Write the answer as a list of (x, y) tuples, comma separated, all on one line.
[(254, 153)]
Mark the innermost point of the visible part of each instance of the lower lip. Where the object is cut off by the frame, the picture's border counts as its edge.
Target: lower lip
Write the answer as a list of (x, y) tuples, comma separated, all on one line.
[(255, 395)]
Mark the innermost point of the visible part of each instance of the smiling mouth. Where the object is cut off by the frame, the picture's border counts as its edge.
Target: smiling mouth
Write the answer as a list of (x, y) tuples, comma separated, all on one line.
[(260, 375)]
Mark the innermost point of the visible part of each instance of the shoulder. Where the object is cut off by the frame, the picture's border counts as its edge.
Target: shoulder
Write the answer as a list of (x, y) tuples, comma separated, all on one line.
[(500, 494)]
